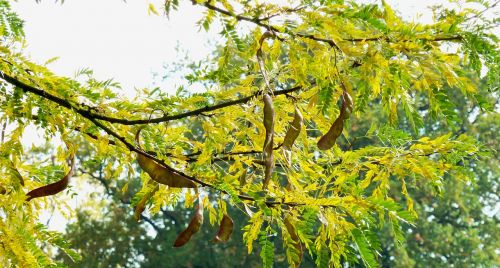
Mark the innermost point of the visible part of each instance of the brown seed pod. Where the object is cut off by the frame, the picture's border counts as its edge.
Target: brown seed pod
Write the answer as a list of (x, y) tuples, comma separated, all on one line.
[(139, 208), (225, 229), (268, 143), (260, 59), (328, 140), (292, 134), (294, 130), (193, 227), (290, 228), (159, 173), (53, 188)]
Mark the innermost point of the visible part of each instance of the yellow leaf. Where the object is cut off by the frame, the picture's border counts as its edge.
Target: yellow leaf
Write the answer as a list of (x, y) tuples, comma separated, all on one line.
[(152, 9)]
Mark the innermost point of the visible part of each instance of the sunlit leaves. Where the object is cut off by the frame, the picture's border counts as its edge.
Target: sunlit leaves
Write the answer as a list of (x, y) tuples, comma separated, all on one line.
[(11, 25), (333, 58)]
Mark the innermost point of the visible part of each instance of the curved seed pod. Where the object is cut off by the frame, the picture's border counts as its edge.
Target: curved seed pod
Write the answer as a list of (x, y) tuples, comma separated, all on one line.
[(193, 227), (225, 229), (260, 58), (328, 140), (294, 130), (268, 143), (159, 173), (292, 134), (53, 188), (139, 208), (290, 228)]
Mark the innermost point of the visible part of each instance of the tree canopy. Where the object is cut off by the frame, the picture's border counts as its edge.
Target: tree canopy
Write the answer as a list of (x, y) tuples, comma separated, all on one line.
[(314, 124)]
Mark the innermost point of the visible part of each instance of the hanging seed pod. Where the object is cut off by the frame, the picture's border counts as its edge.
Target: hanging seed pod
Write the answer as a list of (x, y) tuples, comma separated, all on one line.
[(294, 130), (139, 208), (225, 229), (193, 227), (328, 140), (268, 143), (292, 134), (290, 228), (260, 59), (56, 187), (159, 173)]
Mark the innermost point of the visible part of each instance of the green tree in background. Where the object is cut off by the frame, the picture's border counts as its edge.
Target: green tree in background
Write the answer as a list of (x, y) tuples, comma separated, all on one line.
[(303, 127)]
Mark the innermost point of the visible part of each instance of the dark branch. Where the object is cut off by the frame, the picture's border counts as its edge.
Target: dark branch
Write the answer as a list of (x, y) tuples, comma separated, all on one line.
[(112, 191), (271, 28), (152, 223), (87, 112), (90, 116), (331, 42), (387, 39)]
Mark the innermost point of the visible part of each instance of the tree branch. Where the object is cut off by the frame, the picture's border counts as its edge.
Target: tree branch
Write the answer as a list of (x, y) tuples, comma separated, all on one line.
[(91, 116), (112, 191), (87, 112), (331, 42)]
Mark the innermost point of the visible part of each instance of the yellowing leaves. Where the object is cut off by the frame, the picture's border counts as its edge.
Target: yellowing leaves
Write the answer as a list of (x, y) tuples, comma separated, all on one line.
[(380, 59), (389, 16), (152, 9), (252, 230)]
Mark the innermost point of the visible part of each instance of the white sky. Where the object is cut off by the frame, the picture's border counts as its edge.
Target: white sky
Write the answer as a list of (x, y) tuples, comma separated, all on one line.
[(115, 39)]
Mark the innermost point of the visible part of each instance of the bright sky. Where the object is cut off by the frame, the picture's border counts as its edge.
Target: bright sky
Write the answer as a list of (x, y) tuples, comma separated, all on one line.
[(115, 39)]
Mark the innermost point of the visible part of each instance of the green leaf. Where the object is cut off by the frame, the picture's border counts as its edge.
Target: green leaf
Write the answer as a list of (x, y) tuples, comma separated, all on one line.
[(364, 249), (267, 249)]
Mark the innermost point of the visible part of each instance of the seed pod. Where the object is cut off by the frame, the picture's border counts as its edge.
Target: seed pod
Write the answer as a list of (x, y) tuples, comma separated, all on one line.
[(260, 59), (292, 134), (193, 227), (159, 173), (225, 229), (56, 187), (268, 143), (290, 228), (328, 140), (139, 208), (294, 130)]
